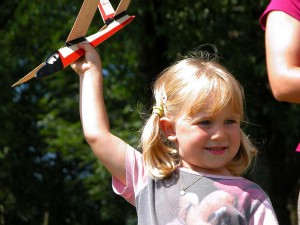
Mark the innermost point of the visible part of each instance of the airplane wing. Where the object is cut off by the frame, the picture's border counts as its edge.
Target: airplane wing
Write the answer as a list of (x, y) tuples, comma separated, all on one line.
[(83, 20), (87, 12), (29, 75), (123, 6)]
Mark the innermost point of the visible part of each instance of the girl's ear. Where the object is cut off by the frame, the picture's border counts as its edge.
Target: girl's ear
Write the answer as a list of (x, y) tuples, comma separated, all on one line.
[(167, 127)]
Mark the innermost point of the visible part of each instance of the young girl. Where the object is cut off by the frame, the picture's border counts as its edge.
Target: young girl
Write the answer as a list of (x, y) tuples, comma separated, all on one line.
[(194, 151)]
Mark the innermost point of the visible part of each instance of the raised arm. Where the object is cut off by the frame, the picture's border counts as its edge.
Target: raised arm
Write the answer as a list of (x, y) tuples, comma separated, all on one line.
[(108, 148), (283, 56)]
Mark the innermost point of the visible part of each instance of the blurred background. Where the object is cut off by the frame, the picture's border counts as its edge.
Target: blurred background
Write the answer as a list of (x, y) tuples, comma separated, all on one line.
[(48, 174)]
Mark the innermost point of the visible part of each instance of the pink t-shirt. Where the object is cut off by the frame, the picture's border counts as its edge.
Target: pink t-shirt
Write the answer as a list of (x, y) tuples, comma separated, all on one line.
[(298, 148), (291, 7), (207, 200)]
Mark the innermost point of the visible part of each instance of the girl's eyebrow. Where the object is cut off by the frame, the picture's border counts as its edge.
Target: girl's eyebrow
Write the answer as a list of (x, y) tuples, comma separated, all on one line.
[(198, 117), (205, 116), (235, 115)]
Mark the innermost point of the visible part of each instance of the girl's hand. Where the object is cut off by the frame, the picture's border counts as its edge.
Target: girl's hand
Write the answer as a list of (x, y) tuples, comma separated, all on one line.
[(90, 62)]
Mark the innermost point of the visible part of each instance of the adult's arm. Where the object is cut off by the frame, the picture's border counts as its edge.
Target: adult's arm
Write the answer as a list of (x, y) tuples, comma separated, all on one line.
[(282, 41)]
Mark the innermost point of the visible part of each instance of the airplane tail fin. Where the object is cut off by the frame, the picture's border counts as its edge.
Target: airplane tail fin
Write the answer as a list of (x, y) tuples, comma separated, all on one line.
[(106, 10)]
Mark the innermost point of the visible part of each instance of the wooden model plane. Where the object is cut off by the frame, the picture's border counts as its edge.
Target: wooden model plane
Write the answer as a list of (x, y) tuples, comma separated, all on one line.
[(114, 21)]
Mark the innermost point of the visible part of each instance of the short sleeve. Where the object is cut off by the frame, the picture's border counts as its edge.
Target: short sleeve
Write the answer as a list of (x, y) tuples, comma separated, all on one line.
[(136, 177), (291, 7)]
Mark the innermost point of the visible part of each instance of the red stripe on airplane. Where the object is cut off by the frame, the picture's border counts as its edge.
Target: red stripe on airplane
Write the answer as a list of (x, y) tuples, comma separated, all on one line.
[(79, 52)]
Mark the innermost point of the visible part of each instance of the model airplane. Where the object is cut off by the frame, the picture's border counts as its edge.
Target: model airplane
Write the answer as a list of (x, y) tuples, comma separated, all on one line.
[(114, 21)]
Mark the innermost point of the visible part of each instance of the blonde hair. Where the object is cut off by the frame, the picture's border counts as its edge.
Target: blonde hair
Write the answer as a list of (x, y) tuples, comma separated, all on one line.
[(193, 84)]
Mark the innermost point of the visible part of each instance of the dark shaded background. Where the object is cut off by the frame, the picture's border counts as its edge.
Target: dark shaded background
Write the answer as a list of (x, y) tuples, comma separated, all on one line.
[(48, 174)]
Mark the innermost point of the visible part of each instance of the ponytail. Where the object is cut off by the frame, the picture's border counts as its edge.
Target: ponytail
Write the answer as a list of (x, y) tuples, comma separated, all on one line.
[(158, 154)]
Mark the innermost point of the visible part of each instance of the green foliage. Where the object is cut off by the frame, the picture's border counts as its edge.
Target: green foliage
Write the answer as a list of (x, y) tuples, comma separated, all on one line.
[(48, 174)]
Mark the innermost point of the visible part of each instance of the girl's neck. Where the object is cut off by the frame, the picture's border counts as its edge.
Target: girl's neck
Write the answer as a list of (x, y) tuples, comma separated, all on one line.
[(217, 171)]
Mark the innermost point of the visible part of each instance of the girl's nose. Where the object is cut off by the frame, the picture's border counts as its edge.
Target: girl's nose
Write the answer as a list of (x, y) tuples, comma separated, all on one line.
[(218, 134)]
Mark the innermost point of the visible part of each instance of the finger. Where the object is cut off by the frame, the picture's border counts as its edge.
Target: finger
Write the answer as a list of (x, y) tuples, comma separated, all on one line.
[(77, 65), (85, 46)]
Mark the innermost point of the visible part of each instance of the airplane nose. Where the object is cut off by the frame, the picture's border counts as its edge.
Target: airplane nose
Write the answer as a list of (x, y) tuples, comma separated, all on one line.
[(53, 64)]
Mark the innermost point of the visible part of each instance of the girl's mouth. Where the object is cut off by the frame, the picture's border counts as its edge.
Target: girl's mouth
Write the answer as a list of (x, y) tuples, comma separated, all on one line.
[(216, 150)]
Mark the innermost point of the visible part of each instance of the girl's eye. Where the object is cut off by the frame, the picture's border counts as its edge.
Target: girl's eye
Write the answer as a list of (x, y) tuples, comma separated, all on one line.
[(230, 121), (205, 122)]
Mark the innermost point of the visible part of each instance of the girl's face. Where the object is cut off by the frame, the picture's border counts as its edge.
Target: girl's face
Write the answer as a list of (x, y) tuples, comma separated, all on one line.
[(208, 143)]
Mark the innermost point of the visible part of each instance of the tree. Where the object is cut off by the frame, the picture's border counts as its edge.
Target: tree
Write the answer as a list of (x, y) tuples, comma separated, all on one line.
[(47, 171)]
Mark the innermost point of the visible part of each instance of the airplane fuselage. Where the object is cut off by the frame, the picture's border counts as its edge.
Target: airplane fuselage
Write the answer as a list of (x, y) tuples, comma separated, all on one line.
[(71, 52)]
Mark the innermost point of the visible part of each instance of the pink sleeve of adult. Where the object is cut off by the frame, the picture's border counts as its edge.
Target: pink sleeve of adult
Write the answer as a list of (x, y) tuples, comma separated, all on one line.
[(291, 7), (298, 148)]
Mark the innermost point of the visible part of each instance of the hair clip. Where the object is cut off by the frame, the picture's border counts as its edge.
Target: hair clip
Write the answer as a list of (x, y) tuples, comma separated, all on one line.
[(158, 110)]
